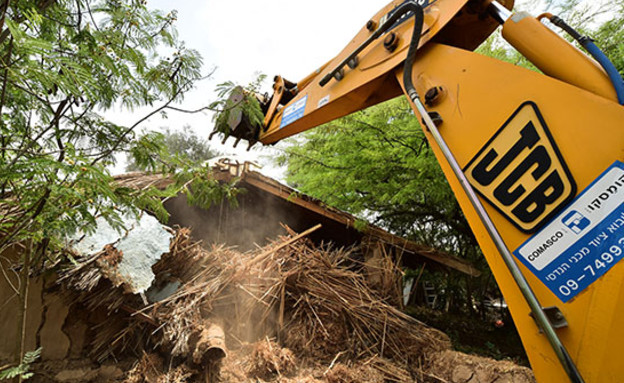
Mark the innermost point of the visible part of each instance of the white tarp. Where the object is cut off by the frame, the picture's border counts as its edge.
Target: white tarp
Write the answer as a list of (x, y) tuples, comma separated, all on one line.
[(142, 245)]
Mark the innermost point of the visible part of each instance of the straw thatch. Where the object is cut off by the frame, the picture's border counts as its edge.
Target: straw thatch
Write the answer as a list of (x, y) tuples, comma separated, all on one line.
[(289, 311)]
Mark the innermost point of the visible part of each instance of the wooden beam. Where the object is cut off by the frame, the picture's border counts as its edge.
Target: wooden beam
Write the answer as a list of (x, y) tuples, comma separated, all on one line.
[(291, 196)]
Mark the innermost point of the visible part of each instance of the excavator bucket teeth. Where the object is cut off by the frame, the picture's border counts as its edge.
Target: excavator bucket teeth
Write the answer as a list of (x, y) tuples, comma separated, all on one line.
[(239, 118)]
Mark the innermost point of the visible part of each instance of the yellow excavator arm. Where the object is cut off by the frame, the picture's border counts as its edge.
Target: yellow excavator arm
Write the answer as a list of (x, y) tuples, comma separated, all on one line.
[(535, 159)]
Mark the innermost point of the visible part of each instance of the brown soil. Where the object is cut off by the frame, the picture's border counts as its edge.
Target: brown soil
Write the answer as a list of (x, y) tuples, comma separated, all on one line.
[(456, 367)]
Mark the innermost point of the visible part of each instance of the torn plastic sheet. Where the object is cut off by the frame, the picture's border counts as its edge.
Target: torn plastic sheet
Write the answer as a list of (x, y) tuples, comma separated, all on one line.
[(141, 246)]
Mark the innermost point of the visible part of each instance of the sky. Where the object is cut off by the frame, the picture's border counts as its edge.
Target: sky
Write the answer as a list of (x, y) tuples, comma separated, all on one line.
[(240, 39)]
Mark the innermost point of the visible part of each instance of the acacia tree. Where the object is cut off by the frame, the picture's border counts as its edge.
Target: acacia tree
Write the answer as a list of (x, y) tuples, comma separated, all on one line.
[(377, 163), (63, 64), (184, 145)]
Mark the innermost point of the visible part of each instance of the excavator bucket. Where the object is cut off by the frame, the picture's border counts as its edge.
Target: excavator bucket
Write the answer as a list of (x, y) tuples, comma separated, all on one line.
[(241, 117)]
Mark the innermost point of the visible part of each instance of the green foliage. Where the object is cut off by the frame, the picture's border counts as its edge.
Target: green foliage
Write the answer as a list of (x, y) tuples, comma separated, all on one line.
[(23, 369), (167, 150), (360, 225), (377, 164), (145, 153), (248, 105), (62, 65), (202, 190)]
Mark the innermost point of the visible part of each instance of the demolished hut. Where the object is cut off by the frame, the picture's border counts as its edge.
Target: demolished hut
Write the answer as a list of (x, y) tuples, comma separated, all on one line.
[(266, 205), (241, 295)]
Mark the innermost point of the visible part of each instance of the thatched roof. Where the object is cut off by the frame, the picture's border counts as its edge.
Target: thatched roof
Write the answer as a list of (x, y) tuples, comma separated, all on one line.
[(227, 170)]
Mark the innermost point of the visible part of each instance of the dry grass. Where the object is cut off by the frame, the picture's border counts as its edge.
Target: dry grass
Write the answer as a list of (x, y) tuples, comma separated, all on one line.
[(330, 322), (269, 358)]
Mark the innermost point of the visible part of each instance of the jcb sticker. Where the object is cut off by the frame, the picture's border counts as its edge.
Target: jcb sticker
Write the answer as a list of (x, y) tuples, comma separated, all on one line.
[(521, 172)]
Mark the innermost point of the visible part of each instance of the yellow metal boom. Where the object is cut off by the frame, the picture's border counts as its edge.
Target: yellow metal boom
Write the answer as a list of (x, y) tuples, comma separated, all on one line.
[(535, 160)]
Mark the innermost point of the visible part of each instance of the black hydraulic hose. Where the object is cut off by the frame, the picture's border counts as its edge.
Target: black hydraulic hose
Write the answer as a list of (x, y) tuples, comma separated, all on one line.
[(400, 12), (411, 52), (558, 21)]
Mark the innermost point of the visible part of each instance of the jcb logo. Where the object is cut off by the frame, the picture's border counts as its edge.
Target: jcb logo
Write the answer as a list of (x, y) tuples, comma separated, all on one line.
[(521, 172)]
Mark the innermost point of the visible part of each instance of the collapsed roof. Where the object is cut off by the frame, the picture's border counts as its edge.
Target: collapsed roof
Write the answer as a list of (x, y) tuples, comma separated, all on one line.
[(268, 204)]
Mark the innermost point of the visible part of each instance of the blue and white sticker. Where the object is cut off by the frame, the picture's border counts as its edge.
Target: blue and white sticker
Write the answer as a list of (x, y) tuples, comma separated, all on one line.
[(583, 242), (294, 112)]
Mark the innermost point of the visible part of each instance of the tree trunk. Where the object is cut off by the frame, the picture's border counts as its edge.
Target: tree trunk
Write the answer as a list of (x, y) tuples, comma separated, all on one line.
[(21, 315)]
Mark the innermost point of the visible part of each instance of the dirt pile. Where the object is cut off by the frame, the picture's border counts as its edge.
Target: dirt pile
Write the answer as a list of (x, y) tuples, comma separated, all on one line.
[(288, 312), (455, 367)]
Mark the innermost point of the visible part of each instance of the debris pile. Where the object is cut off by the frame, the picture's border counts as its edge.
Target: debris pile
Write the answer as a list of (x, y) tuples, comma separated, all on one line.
[(333, 310), (288, 312), (269, 359)]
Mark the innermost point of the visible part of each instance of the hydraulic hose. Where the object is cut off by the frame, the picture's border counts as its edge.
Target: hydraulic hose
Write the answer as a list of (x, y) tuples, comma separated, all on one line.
[(411, 52), (607, 65), (587, 43), (399, 12), (528, 294)]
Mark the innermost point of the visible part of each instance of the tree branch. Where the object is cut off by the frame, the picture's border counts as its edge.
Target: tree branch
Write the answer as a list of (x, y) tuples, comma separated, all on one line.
[(7, 279), (134, 126), (318, 162), (5, 7), (193, 111)]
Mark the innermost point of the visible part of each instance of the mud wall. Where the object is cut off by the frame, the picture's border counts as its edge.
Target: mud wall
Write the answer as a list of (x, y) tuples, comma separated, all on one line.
[(45, 320)]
